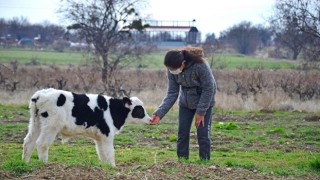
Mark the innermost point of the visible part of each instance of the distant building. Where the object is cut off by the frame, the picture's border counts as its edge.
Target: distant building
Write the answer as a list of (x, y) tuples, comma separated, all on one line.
[(169, 33), (26, 42)]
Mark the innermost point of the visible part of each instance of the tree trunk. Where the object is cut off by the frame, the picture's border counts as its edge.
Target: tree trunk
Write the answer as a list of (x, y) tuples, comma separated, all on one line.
[(295, 54), (104, 70)]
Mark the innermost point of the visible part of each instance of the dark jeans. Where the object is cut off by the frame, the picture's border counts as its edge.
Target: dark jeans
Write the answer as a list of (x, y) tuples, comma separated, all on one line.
[(186, 117)]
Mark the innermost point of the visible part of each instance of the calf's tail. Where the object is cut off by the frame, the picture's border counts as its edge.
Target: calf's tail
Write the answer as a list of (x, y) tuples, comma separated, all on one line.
[(33, 130)]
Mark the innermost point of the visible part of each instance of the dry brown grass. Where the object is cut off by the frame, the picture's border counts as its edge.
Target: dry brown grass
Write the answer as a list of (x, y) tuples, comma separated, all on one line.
[(265, 102), (240, 89)]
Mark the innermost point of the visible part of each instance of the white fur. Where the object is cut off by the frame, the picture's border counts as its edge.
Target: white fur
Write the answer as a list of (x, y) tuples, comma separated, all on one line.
[(43, 130)]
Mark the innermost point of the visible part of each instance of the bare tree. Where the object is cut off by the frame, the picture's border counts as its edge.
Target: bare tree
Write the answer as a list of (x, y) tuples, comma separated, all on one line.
[(20, 27), (210, 46), (290, 37), (304, 17), (106, 25), (3, 28), (244, 37)]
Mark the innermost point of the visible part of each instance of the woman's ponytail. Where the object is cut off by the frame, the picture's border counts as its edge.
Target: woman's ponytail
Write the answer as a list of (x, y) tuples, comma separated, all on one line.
[(194, 54)]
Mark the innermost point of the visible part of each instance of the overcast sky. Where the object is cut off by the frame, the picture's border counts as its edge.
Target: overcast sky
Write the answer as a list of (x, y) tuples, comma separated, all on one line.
[(211, 16)]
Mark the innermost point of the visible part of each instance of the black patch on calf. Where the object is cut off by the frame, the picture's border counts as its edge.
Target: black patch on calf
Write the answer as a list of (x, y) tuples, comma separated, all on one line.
[(127, 100), (61, 100), (35, 99), (85, 116), (45, 114), (138, 112), (102, 103), (118, 112)]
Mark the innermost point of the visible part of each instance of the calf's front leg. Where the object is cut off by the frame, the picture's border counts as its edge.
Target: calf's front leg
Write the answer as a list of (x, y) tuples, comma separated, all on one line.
[(105, 150)]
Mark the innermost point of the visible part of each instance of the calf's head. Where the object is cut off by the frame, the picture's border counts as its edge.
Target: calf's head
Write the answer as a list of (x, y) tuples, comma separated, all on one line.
[(137, 114)]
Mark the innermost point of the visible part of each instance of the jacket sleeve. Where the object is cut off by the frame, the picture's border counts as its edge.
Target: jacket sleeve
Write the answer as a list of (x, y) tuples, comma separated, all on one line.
[(171, 97), (208, 85)]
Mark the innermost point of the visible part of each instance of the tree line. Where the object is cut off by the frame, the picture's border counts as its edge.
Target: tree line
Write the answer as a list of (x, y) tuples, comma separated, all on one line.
[(293, 27), (19, 27)]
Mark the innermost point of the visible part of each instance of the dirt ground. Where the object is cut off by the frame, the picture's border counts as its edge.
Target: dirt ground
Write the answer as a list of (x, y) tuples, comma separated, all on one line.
[(158, 171)]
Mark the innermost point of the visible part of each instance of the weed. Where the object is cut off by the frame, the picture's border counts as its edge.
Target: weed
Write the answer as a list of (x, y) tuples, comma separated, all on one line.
[(277, 131), (173, 138), (227, 126), (19, 167), (315, 164), (242, 164)]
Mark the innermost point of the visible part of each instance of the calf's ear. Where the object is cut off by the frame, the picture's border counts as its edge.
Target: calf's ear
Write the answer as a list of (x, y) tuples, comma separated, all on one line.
[(126, 101)]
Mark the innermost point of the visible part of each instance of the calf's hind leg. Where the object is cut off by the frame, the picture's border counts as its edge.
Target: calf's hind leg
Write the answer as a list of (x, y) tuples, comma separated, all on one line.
[(45, 139), (30, 141)]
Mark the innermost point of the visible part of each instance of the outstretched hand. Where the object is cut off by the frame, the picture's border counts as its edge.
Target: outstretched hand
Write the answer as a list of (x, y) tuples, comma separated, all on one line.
[(199, 120), (155, 120)]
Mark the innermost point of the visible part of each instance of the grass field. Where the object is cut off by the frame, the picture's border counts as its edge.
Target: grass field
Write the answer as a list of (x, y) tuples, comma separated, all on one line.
[(147, 61), (252, 145), (245, 145), (240, 61), (44, 57)]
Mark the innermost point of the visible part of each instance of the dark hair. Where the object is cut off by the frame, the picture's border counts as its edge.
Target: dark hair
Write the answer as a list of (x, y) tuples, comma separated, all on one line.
[(174, 58)]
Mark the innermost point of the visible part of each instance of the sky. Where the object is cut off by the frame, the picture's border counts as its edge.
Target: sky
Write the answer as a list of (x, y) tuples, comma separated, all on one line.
[(212, 16)]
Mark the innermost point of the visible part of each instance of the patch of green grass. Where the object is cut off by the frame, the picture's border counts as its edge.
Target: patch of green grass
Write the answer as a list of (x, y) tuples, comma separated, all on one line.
[(227, 126), (11, 159), (123, 140), (173, 138), (240, 61), (268, 162), (8, 112), (154, 60), (282, 144), (19, 167), (277, 131), (273, 161), (315, 164), (44, 57), (12, 132), (242, 164)]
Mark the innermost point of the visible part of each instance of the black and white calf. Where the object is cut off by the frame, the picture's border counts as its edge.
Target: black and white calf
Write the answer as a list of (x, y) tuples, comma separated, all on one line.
[(98, 117)]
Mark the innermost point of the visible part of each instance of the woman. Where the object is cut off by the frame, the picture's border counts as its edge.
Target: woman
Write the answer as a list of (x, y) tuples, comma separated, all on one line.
[(189, 76)]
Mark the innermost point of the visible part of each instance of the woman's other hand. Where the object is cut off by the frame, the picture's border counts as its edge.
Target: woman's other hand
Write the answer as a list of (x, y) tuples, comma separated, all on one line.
[(199, 120)]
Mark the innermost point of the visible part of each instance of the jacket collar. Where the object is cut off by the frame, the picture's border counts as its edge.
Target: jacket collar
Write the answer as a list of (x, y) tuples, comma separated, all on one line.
[(188, 65)]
